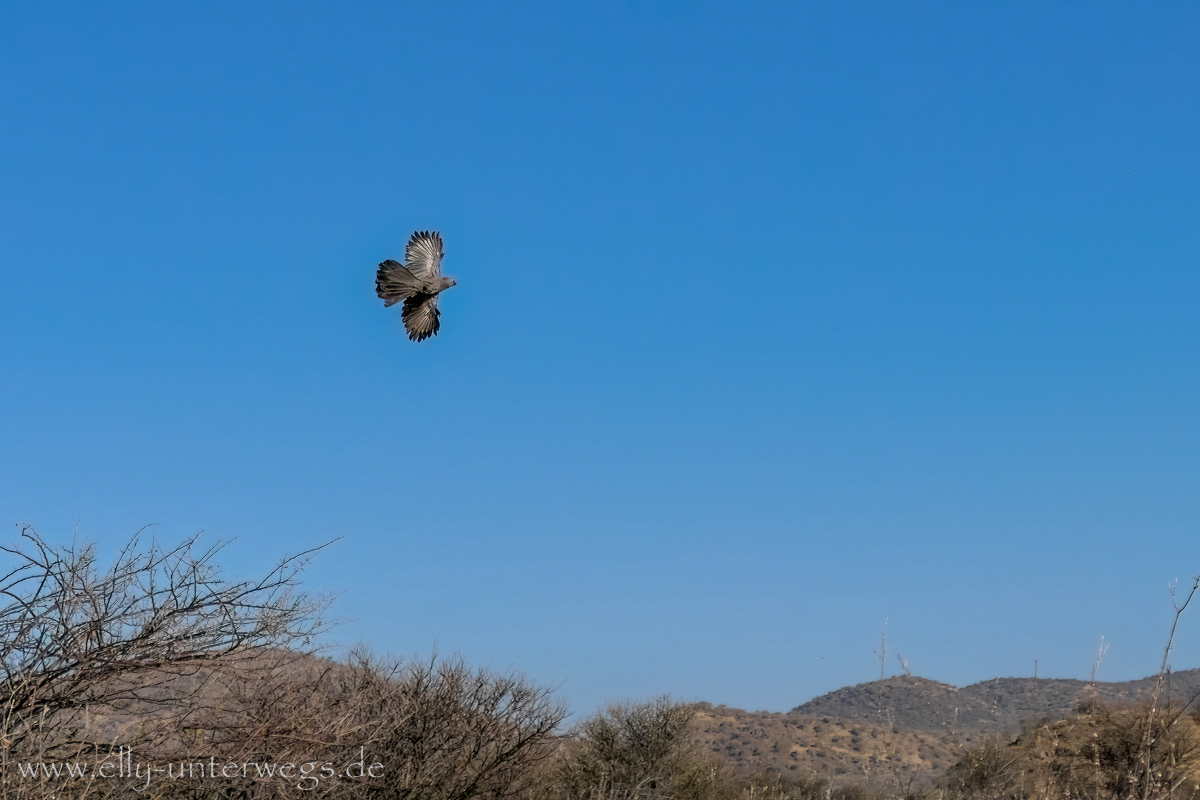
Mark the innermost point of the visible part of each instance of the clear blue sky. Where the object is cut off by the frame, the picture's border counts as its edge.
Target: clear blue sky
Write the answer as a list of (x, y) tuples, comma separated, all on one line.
[(774, 321)]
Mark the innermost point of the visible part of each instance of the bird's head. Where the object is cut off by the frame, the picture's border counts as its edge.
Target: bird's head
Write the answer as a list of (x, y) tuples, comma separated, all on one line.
[(450, 282)]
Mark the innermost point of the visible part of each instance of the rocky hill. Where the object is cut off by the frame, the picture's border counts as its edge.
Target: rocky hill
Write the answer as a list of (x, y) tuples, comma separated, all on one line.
[(903, 730), (908, 703)]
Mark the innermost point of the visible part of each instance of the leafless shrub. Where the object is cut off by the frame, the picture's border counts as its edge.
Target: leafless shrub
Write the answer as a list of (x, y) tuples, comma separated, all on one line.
[(640, 751), (778, 787), (160, 654), (1153, 728), (450, 732), (127, 650), (989, 772), (436, 729)]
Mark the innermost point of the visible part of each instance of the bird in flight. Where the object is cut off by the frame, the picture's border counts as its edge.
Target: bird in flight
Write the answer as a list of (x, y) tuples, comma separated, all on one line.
[(418, 282)]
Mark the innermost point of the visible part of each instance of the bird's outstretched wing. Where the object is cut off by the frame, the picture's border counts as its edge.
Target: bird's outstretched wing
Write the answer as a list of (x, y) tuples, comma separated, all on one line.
[(423, 256), (420, 316), (394, 283)]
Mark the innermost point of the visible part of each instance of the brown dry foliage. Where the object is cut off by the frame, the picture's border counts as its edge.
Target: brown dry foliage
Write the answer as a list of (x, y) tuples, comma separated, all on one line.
[(1102, 754), (159, 654)]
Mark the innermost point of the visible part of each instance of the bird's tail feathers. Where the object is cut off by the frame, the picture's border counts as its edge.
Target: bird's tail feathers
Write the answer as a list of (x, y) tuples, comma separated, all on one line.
[(393, 282)]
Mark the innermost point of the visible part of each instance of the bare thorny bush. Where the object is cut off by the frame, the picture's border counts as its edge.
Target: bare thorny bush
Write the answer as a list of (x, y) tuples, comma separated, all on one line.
[(76, 640), (159, 654), (128, 652), (629, 752), (436, 728)]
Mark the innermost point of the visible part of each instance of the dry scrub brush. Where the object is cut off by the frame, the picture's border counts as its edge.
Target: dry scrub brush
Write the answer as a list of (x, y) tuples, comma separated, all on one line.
[(646, 751), (1097, 754), (132, 645), (160, 654)]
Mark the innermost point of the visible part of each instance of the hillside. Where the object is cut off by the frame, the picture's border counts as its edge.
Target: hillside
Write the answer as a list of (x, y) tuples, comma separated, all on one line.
[(903, 728), (843, 750), (997, 706)]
